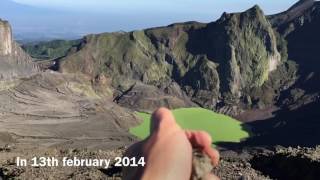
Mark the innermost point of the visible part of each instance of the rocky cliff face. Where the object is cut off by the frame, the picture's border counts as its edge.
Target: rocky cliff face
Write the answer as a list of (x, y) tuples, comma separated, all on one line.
[(297, 10), (14, 62), (5, 38), (216, 65), (245, 47), (300, 26)]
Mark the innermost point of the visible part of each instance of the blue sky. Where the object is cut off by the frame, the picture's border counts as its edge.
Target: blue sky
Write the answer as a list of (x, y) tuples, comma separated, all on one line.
[(93, 16), (208, 7)]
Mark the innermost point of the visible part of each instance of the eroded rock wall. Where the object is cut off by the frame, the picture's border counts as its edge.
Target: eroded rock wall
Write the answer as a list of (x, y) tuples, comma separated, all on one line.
[(14, 62), (5, 38)]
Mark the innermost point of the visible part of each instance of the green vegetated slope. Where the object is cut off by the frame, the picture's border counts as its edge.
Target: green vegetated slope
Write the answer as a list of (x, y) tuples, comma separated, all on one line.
[(50, 50), (219, 65), (221, 128)]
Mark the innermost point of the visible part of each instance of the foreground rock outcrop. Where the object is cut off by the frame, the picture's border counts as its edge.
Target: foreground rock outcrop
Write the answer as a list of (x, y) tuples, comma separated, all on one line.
[(259, 163)]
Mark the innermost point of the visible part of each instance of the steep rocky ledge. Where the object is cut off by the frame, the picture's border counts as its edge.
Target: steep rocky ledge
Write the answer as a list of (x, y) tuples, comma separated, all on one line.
[(292, 13), (5, 38), (14, 62), (300, 26)]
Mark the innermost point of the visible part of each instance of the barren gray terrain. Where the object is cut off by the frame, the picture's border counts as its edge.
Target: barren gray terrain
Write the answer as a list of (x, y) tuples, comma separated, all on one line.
[(51, 109)]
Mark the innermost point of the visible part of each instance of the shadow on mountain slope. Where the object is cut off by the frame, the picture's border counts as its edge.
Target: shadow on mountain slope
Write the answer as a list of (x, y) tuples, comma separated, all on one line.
[(303, 48), (297, 123), (298, 127)]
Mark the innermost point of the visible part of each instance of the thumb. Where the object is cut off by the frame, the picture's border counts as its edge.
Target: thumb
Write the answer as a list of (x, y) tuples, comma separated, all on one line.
[(163, 119)]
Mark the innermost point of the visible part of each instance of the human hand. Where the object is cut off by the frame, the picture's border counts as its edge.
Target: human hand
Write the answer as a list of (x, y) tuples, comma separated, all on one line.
[(168, 151)]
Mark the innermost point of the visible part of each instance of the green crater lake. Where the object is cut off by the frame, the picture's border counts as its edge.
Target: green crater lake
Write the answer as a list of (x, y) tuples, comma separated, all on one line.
[(222, 128)]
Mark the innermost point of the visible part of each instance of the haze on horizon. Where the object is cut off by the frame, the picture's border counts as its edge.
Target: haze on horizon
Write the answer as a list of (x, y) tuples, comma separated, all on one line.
[(79, 17)]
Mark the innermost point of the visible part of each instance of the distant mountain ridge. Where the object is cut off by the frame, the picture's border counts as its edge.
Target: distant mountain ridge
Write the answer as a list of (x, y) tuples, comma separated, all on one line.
[(28, 27)]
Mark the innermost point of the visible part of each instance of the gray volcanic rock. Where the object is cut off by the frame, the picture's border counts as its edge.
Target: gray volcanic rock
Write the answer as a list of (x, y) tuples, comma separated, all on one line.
[(146, 98), (14, 62), (55, 110), (259, 164), (201, 165), (292, 13)]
